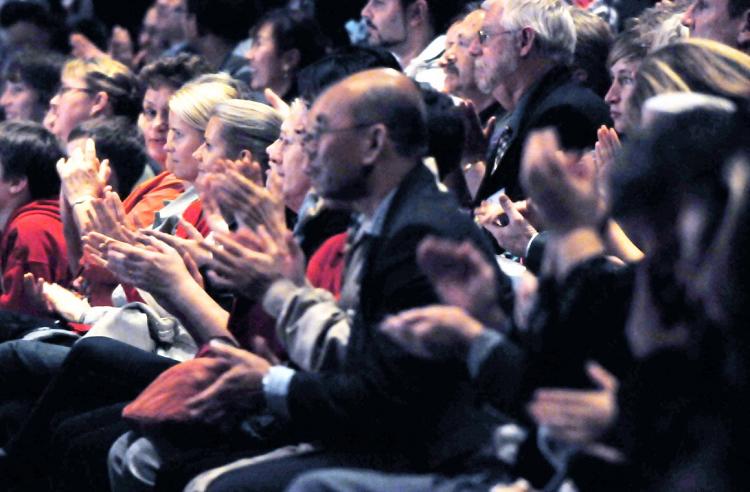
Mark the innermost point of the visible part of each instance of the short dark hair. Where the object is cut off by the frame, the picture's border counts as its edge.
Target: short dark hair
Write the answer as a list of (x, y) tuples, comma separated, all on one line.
[(593, 41), (119, 141), (172, 72), (445, 130), (40, 70), (227, 19), (441, 12), (293, 30), (316, 77), (33, 13), (737, 7), (28, 150)]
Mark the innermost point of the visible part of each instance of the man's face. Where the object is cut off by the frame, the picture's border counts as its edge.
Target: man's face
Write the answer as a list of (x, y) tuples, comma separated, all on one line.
[(494, 49), (710, 19), (457, 62), (332, 144), (386, 23), (170, 17)]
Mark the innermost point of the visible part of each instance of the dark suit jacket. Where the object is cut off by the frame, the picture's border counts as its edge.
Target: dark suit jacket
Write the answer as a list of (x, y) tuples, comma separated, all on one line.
[(385, 400), (555, 90)]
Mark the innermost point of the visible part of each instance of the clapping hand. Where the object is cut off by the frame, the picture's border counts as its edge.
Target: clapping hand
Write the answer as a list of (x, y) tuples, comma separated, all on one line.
[(433, 332), (82, 176), (461, 276)]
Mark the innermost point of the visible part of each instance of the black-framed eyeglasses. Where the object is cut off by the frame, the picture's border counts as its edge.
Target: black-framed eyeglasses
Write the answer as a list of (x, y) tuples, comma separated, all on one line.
[(484, 36), (310, 139)]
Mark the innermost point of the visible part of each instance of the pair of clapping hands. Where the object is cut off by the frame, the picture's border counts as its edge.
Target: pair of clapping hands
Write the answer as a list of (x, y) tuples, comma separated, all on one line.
[(566, 191)]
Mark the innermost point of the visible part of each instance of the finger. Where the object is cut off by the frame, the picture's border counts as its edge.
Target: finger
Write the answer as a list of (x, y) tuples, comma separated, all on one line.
[(104, 171), (89, 150), (191, 231), (601, 377), (276, 102), (489, 127)]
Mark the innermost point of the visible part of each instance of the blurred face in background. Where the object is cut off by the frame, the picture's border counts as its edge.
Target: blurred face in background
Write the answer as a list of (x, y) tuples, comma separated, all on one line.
[(154, 121)]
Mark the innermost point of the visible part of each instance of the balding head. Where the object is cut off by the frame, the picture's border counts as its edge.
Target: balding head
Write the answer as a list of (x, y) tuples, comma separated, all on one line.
[(364, 134)]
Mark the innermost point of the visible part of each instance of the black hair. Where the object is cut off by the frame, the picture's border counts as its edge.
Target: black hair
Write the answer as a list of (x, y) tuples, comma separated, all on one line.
[(15, 11), (293, 30), (445, 130), (40, 70), (227, 19), (118, 140), (441, 12), (172, 72), (316, 77), (28, 150), (593, 41)]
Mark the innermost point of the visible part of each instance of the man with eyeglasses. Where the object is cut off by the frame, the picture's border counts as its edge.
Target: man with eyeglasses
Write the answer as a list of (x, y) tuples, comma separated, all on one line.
[(381, 408), (522, 53), (413, 31)]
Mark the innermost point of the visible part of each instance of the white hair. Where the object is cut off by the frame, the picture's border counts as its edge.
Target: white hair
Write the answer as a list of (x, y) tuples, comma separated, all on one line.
[(550, 20)]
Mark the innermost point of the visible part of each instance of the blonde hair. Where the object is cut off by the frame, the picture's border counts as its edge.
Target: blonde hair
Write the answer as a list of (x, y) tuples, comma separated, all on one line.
[(194, 103), (104, 74), (695, 65), (248, 125), (552, 22)]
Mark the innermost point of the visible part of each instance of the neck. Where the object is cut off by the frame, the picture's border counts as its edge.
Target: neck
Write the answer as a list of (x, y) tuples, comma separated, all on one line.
[(213, 49), (384, 180), (529, 72), (8, 209), (481, 100), (416, 42)]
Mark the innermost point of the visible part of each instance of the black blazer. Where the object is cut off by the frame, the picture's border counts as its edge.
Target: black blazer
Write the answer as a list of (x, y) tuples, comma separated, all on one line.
[(420, 412), (556, 90)]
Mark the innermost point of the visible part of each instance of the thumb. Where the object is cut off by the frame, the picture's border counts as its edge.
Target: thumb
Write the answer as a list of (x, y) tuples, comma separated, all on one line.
[(104, 172), (601, 377), (489, 127), (509, 208), (276, 102)]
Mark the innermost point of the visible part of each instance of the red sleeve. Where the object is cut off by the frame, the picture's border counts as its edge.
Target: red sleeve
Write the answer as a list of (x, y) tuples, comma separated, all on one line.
[(34, 249)]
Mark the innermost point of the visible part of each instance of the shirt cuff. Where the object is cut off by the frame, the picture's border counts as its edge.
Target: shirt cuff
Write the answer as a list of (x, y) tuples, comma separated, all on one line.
[(276, 388), (481, 348), (277, 295)]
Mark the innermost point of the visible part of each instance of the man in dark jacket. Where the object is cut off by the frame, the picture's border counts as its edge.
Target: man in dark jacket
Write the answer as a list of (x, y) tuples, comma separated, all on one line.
[(521, 59)]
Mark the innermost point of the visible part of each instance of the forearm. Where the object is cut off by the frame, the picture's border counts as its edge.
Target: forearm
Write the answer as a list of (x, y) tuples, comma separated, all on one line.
[(71, 234), (620, 245), (566, 250), (309, 323), (201, 316)]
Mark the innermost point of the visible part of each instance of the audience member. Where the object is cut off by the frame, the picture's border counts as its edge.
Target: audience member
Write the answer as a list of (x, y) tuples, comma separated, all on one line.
[(30, 79), (725, 21), (413, 30)]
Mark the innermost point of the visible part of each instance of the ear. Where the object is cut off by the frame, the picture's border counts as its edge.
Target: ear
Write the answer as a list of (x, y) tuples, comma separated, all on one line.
[(374, 143), (18, 184), (417, 13), (246, 154), (290, 60), (526, 41), (743, 37), (101, 100), (580, 75)]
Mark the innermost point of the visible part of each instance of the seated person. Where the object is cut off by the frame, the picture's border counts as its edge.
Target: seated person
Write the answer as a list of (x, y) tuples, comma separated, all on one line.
[(32, 237), (31, 79)]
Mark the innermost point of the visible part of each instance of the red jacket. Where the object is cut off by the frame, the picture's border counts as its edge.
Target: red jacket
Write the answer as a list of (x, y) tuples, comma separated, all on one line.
[(32, 242)]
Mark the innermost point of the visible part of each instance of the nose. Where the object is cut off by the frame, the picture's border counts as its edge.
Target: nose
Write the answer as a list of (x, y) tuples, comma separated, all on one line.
[(687, 17), (160, 122), (5, 98), (475, 48), (198, 154), (613, 94), (366, 11)]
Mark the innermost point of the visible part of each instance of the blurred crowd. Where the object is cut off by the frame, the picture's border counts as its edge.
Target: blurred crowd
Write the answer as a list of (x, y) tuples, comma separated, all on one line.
[(381, 245)]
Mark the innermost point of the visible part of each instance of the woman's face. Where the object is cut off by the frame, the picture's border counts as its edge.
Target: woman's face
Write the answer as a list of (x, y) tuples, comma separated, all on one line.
[(21, 102), (623, 82), (182, 141), (213, 148), (154, 122), (266, 66), (295, 183), (73, 104)]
